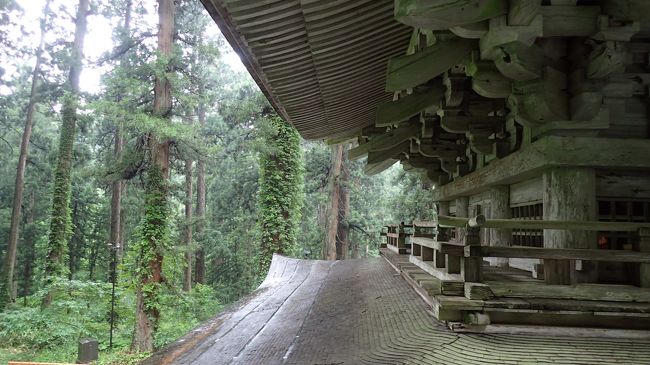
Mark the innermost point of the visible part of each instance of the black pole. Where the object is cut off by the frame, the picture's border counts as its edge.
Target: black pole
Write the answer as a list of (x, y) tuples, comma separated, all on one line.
[(113, 248)]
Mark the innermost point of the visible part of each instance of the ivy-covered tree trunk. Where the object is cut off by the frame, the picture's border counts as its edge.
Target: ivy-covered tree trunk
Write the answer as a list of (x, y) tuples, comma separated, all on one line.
[(60, 221), (199, 270), (281, 192), (155, 231), (7, 290), (334, 202)]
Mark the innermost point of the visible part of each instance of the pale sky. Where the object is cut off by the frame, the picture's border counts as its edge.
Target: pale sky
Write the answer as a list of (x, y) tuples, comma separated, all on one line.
[(98, 39)]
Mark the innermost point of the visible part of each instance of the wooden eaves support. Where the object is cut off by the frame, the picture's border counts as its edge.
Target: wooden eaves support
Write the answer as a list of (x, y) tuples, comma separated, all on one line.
[(516, 107)]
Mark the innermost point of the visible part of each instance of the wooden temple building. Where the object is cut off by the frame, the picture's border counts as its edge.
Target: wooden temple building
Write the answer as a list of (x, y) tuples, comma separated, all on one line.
[(531, 119)]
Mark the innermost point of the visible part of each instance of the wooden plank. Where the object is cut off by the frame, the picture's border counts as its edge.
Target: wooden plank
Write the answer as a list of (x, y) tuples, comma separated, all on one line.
[(443, 314), (412, 70), (376, 168), (446, 221), (613, 293), (616, 185), (558, 253), (397, 250), (375, 157), (444, 14), (386, 140), (440, 274), (478, 291), (526, 192), (396, 111), (446, 248), (522, 12), (459, 303), (549, 304), (550, 151), (425, 224), (569, 21), (554, 331)]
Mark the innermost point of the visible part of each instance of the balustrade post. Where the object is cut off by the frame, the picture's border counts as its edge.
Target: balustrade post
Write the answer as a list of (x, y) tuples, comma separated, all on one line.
[(644, 246), (471, 269)]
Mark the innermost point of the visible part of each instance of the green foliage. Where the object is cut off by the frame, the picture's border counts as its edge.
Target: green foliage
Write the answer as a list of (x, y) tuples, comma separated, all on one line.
[(79, 310), (51, 334), (413, 199), (182, 312), (281, 192)]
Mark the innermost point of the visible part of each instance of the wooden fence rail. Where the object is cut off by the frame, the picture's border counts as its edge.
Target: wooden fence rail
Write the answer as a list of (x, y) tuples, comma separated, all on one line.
[(481, 221), (558, 253)]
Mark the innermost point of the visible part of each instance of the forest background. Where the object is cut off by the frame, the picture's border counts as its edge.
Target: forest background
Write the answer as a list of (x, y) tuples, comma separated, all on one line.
[(231, 162)]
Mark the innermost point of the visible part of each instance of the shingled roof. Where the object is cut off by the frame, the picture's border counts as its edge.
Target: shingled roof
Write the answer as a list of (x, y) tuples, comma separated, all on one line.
[(322, 64)]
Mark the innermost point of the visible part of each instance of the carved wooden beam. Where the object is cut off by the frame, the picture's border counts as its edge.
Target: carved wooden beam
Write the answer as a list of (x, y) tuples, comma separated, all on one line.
[(638, 10), (391, 153), (411, 70), (551, 151), (443, 14), (522, 12), (540, 101), (397, 111), (429, 148), (463, 123), (373, 169), (386, 140), (487, 81)]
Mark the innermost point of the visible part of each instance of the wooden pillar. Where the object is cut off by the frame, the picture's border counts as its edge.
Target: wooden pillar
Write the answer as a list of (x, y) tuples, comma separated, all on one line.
[(500, 209), (443, 233), (462, 210), (570, 194), (644, 269), (443, 208), (471, 269)]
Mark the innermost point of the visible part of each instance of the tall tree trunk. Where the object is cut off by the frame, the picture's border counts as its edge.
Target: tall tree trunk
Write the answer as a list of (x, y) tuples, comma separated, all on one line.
[(200, 205), (344, 209), (122, 248), (116, 199), (187, 272), (7, 275), (30, 249), (116, 188), (156, 191), (333, 209), (60, 220)]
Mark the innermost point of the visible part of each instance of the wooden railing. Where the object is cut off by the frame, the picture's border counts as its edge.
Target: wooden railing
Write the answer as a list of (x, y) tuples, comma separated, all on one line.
[(465, 288), (397, 238), (474, 252)]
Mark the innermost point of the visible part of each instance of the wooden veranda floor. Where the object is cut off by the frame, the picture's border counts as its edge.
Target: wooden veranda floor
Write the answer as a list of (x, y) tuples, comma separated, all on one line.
[(363, 312)]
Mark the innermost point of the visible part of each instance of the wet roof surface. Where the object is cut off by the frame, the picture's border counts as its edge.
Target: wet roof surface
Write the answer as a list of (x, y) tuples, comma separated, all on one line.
[(362, 312)]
